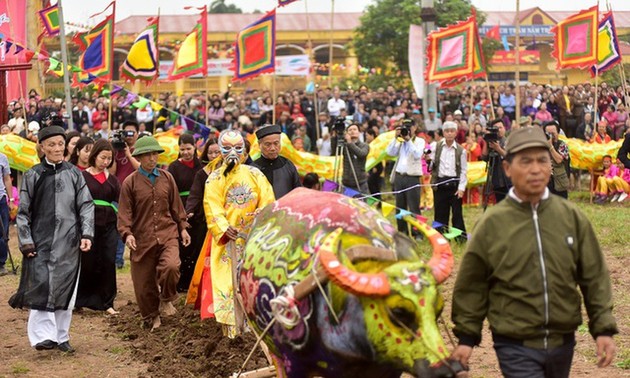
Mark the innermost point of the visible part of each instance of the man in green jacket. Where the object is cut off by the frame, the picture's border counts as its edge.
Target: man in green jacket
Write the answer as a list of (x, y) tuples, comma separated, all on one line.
[(524, 263)]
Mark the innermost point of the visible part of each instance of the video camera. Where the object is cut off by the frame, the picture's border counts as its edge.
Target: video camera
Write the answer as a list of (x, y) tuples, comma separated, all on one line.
[(492, 134), (118, 138), (338, 125), (405, 127)]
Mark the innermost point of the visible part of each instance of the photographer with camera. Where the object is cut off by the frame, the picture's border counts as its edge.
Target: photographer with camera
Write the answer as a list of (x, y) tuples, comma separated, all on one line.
[(354, 153), (493, 153), (125, 164), (407, 172), (559, 182)]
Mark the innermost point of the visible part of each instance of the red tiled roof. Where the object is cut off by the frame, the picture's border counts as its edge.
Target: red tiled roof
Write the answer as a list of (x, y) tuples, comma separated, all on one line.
[(218, 23), (232, 23), (622, 18)]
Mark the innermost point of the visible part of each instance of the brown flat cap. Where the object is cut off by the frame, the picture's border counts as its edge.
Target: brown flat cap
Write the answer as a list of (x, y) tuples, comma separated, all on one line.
[(524, 138)]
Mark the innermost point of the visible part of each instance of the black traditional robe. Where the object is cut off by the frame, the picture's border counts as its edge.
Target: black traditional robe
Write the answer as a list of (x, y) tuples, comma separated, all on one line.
[(56, 211), (281, 173)]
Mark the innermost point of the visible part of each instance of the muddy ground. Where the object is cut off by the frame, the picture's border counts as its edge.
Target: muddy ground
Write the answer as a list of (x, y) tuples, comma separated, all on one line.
[(118, 346)]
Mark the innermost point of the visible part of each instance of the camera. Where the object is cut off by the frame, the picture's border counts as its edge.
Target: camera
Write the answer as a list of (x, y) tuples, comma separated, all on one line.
[(549, 136), (338, 125), (118, 138), (427, 151), (491, 135), (405, 127)]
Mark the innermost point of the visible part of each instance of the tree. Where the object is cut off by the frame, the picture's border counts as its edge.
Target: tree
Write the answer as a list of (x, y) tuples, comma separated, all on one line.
[(382, 39), (219, 6)]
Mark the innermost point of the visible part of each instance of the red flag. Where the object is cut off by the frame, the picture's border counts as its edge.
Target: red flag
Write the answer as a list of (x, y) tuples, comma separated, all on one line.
[(494, 33)]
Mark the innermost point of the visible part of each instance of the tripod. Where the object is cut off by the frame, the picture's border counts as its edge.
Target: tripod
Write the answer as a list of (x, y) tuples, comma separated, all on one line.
[(5, 240), (340, 151), (488, 189)]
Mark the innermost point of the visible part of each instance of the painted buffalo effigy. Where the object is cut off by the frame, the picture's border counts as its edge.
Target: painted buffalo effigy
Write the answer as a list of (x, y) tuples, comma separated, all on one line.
[(338, 292)]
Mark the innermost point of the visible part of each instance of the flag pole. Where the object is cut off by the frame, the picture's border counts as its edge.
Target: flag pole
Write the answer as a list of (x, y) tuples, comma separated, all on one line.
[(330, 46), (517, 73), (489, 95), (312, 73), (273, 98), (64, 60)]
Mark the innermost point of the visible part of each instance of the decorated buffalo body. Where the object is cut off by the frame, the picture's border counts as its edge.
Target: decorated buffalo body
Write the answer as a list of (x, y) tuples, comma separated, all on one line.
[(342, 293)]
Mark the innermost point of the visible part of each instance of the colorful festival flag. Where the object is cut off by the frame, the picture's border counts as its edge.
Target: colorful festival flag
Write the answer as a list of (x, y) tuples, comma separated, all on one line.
[(416, 59), (143, 62), (450, 52), (256, 48), (608, 53), (192, 56), (50, 19), (575, 40), (97, 46), (282, 3), (459, 58), (494, 33)]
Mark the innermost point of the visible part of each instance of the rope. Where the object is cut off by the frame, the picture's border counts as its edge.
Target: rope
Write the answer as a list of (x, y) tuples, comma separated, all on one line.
[(321, 290), (285, 309)]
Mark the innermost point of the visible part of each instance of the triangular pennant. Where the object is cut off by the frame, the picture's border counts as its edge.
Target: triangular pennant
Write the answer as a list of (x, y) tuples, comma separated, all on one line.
[(402, 213), (7, 46), (350, 192), (128, 100), (387, 208), (371, 201), (116, 89), (453, 233), (54, 63), (156, 106), (437, 224), (329, 186), (28, 55), (18, 49), (141, 103), (421, 219)]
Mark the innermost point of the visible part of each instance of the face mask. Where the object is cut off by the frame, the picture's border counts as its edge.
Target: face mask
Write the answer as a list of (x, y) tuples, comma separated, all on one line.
[(232, 148)]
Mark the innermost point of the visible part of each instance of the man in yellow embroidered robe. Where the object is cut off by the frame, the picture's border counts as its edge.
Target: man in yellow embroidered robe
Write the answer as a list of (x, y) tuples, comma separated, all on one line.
[(233, 196)]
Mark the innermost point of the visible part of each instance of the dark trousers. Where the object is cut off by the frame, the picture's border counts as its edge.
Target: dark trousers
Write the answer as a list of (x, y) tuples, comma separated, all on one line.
[(446, 200), (517, 361), (4, 218), (409, 199)]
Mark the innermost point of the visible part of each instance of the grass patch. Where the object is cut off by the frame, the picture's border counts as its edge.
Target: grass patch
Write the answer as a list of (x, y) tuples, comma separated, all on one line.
[(20, 369), (116, 349)]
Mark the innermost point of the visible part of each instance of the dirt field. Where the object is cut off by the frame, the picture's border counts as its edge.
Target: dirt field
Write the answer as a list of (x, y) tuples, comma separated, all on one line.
[(118, 346)]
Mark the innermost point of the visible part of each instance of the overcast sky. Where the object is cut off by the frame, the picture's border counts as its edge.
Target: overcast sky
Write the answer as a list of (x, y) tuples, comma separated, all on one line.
[(78, 11)]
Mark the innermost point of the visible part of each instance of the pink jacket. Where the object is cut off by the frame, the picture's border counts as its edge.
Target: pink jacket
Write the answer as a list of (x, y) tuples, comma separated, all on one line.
[(612, 171), (625, 175)]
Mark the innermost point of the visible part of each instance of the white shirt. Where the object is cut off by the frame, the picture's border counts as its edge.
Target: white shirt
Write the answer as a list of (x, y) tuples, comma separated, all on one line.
[(324, 147), (335, 106), (434, 124), (448, 168), (405, 151)]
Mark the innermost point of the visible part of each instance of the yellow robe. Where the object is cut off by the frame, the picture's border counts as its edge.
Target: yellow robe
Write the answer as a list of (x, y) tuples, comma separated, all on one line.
[(231, 201)]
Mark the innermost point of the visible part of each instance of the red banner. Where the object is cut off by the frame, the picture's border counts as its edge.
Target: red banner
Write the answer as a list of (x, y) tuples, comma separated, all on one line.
[(13, 29), (509, 57)]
